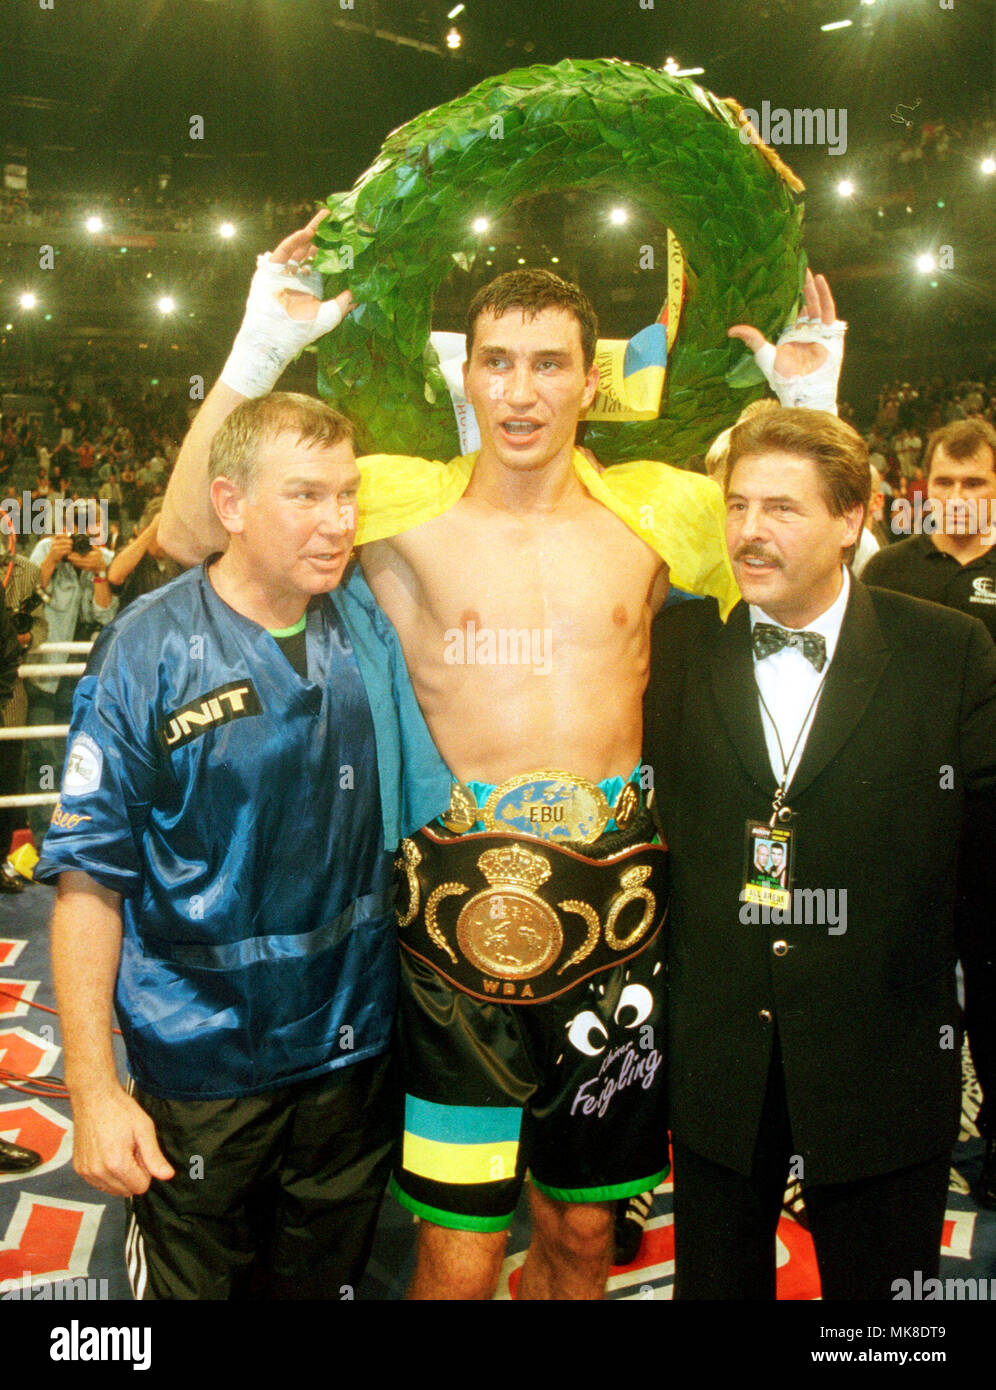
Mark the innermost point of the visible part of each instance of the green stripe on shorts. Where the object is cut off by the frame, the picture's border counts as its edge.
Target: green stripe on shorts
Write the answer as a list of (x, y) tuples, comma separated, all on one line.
[(601, 1194), (454, 1221)]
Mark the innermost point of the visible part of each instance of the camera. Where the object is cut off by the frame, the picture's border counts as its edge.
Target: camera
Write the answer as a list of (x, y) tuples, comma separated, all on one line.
[(81, 544), (24, 614)]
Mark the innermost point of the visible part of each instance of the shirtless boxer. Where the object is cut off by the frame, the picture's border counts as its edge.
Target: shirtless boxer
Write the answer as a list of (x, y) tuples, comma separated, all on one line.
[(563, 1076)]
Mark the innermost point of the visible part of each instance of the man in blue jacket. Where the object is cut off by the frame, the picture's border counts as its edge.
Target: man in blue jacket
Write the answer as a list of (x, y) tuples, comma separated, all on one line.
[(232, 794)]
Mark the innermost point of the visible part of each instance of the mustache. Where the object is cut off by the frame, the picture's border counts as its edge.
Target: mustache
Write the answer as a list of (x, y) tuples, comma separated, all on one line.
[(756, 552)]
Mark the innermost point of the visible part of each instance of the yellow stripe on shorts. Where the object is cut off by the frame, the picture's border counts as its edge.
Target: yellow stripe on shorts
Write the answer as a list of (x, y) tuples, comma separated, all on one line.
[(459, 1163)]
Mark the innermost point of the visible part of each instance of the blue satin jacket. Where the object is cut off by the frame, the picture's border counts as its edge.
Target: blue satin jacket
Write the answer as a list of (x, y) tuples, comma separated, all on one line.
[(246, 815)]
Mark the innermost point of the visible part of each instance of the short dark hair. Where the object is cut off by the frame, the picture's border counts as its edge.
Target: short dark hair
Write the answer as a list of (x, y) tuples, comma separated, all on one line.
[(960, 440), (532, 291), (235, 448), (837, 451)]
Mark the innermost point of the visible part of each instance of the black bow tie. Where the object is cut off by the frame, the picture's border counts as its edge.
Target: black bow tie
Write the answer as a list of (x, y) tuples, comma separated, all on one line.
[(768, 638)]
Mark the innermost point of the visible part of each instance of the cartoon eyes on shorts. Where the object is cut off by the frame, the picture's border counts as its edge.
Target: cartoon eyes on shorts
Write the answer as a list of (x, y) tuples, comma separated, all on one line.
[(581, 1029), (639, 999)]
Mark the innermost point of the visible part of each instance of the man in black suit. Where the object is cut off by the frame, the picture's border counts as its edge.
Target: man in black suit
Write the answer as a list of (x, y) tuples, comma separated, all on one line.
[(816, 1026)]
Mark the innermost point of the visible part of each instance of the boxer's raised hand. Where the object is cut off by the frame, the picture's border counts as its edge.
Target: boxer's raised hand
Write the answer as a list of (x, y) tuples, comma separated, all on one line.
[(284, 313), (804, 368)]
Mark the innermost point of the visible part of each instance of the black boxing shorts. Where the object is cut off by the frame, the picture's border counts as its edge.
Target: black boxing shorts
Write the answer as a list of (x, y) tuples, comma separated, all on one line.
[(531, 1021)]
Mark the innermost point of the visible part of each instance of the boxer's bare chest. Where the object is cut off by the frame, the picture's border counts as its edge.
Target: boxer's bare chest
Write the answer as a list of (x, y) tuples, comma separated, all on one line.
[(526, 636)]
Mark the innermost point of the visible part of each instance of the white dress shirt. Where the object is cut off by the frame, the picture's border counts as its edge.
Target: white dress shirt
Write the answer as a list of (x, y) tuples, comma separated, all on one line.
[(788, 682), (867, 547)]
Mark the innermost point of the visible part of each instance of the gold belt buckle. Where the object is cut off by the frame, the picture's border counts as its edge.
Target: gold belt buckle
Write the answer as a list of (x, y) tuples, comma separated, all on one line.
[(548, 805), (462, 812), (627, 805)]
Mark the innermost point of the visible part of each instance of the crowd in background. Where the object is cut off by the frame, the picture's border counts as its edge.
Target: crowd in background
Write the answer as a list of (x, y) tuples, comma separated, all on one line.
[(117, 443), (917, 155), (927, 146), (907, 414), (115, 446)]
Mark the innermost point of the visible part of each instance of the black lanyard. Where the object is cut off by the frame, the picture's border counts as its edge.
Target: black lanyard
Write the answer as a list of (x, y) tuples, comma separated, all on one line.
[(780, 812)]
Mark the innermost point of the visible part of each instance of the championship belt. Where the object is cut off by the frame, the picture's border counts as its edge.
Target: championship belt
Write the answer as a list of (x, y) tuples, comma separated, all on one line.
[(550, 805), (521, 920)]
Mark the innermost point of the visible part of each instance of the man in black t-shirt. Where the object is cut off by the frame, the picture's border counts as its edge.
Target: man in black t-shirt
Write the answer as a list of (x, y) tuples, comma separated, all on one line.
[(953, 562)]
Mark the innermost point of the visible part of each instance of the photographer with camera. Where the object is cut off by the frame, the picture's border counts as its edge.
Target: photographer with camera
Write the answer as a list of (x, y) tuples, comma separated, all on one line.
[(77, 601), (78, 598)]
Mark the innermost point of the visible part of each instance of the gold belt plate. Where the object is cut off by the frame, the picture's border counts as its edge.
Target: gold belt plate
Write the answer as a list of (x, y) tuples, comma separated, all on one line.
[(508, 930), (549, 805)]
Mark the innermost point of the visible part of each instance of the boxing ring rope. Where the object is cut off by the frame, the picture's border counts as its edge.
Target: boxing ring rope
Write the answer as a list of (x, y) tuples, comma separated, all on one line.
[(44, 670)]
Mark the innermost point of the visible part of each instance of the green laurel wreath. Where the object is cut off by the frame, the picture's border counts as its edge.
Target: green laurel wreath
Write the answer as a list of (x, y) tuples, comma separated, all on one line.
[(667, 145)]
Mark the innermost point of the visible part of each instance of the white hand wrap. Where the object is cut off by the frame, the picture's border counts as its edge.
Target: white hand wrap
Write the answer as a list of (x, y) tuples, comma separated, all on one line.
[(269, 338), (815, 390)]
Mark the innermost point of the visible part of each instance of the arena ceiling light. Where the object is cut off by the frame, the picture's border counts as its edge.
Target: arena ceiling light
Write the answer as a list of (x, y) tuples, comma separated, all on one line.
[(454, 38), (480, 224), (95, 223), (618, 217), (925, 264), (456, 11), (837, 24), (845, 188), (166, 304), (674, 69), (988, 165), (226, 230), (28, 300)]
